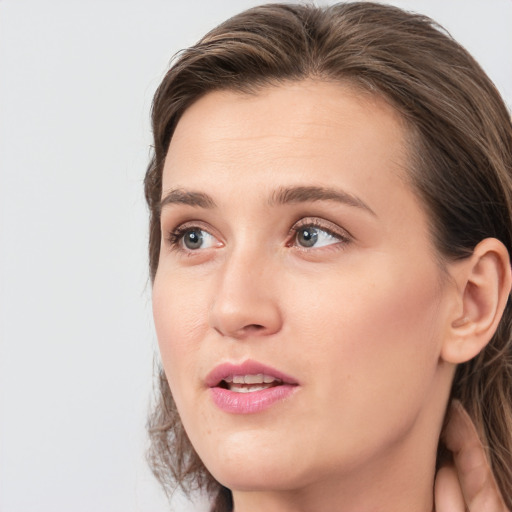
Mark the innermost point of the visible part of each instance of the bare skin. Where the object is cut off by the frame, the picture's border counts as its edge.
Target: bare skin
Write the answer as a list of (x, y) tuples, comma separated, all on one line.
[(360, 315), (469, 484)]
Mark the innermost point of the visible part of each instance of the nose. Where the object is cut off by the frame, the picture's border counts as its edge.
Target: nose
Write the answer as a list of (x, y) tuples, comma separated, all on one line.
[(246, 301)]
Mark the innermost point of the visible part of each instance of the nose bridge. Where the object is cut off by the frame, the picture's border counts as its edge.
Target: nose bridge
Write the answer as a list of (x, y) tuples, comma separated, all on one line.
[(246, 301)]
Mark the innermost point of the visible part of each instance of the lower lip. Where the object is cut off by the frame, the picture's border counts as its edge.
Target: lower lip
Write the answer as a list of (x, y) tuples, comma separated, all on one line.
[(248, 403)]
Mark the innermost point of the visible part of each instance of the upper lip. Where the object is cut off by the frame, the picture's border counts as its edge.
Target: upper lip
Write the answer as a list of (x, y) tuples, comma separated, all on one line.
[(225, 370)]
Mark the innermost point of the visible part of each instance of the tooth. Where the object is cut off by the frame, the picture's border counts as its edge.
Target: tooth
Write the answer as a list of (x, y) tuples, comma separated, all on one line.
[(253, 379), (245, 389), (267, 379), (228, 379), (238, 379)]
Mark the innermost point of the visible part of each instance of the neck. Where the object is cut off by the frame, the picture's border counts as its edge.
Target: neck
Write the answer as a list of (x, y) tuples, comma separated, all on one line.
[(399, 479), (390, 490)]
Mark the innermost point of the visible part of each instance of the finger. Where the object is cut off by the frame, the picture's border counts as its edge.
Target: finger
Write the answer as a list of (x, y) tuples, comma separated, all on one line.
[(478, 485), (447, 492)]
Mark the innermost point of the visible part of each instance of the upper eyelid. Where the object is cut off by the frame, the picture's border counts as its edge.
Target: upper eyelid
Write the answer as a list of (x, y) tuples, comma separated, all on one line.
[(327, 226), (190, 224), (179, 228)]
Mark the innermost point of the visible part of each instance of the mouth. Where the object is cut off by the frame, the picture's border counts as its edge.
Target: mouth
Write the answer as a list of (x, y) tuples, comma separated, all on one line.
[(246, 377), (249, 383), (249, 387)]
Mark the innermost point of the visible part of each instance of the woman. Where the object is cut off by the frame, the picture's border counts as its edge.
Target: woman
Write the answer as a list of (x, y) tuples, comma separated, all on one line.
[(330, 232)]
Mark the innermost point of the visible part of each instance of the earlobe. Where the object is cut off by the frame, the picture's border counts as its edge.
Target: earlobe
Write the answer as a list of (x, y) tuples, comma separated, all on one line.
[(483, 284)]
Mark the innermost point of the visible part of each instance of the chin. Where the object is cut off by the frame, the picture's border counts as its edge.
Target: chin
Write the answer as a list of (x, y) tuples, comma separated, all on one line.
[(265, 477), (244, 463)]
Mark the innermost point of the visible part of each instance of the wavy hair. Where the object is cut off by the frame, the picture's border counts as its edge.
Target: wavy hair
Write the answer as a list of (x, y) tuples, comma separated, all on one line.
[(460, 147)]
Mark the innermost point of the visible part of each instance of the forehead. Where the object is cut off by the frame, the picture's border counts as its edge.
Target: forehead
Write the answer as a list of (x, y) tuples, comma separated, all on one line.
[(309, 131), (298, 116)]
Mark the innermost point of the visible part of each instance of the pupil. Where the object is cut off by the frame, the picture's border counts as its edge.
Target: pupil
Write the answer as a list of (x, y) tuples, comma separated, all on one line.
[(308, 237), (193, 240)]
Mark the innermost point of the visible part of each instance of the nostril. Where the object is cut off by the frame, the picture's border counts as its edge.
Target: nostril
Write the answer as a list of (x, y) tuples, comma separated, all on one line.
[(252, 330), (254, 327)]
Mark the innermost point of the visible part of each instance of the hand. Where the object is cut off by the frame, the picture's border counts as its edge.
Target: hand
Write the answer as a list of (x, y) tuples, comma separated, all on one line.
[(468, 484)]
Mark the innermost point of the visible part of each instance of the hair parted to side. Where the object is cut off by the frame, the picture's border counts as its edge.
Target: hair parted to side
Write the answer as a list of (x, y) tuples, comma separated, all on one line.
[(460, 149)]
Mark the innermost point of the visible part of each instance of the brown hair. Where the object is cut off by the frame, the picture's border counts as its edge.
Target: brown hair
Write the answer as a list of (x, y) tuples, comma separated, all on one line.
[(461, 167)]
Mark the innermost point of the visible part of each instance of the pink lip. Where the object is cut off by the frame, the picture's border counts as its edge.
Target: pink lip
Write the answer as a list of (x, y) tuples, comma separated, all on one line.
[(247, 403)]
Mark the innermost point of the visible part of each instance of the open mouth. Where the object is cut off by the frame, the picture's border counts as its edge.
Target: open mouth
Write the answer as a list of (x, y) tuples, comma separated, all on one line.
[(249, 383), (248, 387)]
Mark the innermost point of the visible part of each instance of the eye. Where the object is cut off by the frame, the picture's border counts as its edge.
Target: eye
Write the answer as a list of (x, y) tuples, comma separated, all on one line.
[(313, 235), (192, 239), (310, 236)]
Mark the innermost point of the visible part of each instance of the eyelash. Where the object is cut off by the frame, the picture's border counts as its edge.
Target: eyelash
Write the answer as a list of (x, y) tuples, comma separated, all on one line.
[(175, 237), (343, 236)]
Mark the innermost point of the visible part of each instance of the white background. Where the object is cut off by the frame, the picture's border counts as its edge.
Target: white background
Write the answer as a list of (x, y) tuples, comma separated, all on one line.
[(76, 340)]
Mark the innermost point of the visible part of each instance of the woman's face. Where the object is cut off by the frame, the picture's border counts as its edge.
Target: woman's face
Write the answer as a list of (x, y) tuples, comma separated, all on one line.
[(298, 302)]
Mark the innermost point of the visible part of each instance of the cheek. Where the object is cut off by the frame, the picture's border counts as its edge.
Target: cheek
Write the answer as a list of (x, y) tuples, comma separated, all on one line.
[(363, 311), (376, 340), (402, 314), (180, 325)]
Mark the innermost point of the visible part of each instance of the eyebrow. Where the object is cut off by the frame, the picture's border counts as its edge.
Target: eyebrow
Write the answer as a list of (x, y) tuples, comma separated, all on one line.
[(281, 196), (303, 194), (190, 198)]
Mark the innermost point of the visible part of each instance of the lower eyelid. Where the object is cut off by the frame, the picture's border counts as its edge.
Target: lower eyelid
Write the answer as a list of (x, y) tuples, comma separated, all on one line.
[(175, 239)]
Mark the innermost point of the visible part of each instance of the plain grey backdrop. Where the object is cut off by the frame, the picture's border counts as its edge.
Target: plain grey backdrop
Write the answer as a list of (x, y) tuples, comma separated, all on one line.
[(76, 336)]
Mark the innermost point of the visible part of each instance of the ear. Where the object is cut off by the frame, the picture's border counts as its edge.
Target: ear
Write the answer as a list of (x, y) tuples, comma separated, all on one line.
[(483, 286)]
